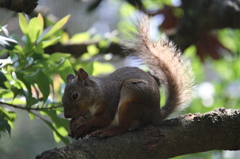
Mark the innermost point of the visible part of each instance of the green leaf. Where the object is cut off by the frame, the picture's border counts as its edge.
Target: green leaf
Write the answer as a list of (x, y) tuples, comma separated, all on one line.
[(7, 43), (20, 76), (5, 124), (23, 23), (16, 91), (31, 101), (57, 26), (89, 67), (31, 115), (92, 50), (8, 116), (42, 81), (35, 28), (65, 67), (64, 139), (103, 44), (80, 37), (59, 56), (41, 20), (59, 122), (3, 79), (4, 29), (102, 68), (3, 51), (50, 42)]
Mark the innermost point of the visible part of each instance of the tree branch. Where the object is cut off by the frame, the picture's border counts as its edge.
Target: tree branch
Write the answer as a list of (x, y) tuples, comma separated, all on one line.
[(191, 133), (28, 108), (26, 6), (201, 16), (78, 49)]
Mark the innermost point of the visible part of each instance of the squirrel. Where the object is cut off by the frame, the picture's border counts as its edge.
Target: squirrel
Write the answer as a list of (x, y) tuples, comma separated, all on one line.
[(129, 97)]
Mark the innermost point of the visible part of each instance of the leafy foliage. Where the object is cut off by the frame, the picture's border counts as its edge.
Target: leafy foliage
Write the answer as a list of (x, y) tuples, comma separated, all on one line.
[(28, 73), (32, 80)]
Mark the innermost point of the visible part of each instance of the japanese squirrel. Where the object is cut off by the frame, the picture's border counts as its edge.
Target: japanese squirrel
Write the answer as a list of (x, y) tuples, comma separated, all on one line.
[(129, 97)]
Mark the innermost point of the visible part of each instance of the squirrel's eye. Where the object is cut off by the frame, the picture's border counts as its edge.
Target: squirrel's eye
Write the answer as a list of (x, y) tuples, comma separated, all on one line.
[(75, 96)]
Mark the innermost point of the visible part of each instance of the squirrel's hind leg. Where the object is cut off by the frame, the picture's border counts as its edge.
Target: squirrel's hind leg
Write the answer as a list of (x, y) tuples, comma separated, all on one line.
[(130, 108)]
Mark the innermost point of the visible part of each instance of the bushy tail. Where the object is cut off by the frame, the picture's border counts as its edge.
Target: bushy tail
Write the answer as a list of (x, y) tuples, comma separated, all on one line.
[(166, 63)]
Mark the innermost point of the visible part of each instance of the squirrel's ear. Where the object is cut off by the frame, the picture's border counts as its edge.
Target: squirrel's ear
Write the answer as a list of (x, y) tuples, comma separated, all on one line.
[(70, 77), (82, 74)]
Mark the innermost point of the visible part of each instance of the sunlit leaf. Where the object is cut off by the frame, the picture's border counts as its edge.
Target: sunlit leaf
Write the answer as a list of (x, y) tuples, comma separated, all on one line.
[(50, 42), (41, 20), (103, 44), (126, 10), (23, 23), (92, 50), (59, 122), (102, 68), (31, 116), (57, 26), (35, 28), (58, 56), (80, 37), (64, 139)]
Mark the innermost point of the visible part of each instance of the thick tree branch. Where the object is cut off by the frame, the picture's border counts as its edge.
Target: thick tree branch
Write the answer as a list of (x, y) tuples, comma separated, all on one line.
[(78, 49), (201, 16), (26, 6), (191, 133)]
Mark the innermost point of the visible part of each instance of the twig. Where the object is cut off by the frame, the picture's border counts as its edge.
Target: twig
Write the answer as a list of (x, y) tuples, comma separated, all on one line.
[(29, 108)]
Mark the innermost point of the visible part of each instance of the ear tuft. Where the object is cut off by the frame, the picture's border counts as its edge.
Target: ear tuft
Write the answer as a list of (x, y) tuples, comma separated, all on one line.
[(70, 77), (82, 74)]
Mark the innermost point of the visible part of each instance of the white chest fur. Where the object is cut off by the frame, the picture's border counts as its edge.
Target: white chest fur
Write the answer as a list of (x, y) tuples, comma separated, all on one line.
[(92, 109)]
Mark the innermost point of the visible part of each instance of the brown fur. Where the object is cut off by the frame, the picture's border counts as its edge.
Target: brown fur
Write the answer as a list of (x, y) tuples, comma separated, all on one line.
[(129, 97)]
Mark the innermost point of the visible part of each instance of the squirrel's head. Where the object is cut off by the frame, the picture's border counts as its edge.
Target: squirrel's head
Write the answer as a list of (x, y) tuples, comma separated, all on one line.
[(78, 94)]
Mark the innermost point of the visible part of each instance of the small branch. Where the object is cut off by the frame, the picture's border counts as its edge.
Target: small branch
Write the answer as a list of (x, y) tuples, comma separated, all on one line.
[(28, 108), (190, 133)]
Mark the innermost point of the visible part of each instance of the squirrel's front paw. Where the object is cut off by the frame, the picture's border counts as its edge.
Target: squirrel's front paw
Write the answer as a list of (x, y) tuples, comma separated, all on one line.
[(82, 130), (77, 127)]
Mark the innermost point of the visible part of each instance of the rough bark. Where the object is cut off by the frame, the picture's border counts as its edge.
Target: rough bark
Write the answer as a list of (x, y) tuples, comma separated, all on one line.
[(26, 6), (190, 133)]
